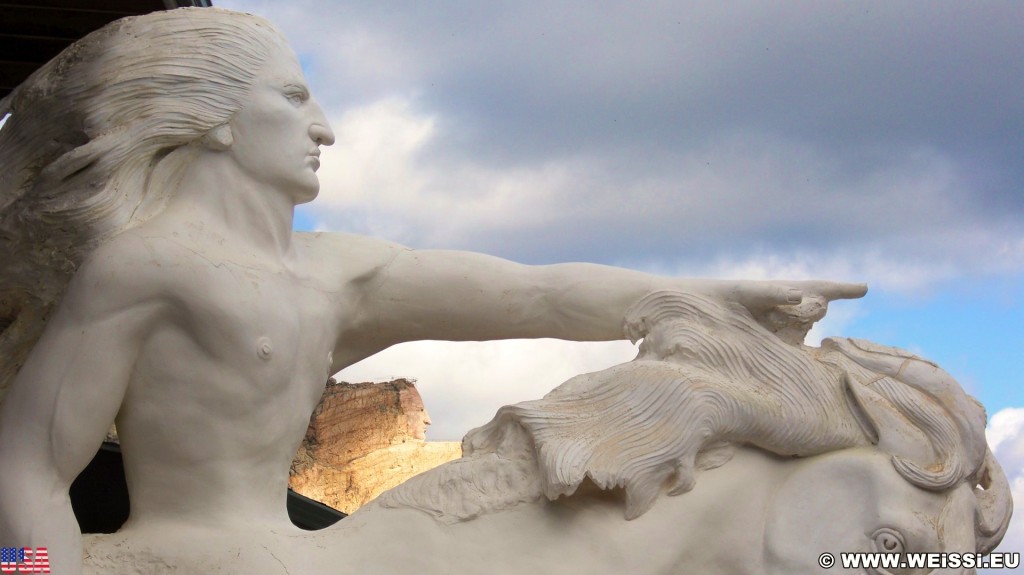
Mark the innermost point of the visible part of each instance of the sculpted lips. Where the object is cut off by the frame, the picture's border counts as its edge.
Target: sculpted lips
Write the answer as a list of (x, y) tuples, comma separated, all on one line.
[(315, 157)]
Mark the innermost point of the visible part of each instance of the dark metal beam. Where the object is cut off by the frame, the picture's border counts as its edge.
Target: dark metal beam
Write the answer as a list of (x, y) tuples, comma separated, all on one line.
[(34, 31)]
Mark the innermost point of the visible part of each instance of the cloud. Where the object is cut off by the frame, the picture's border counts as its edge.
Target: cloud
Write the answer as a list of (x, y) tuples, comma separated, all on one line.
[(689, 218), (379, 179), (463, 384), (1004, 431), (676, 135), (738, 199), (1005, 435), (535, 80)]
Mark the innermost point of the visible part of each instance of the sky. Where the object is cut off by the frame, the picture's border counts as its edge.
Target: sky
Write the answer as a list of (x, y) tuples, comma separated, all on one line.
[(878, 142)]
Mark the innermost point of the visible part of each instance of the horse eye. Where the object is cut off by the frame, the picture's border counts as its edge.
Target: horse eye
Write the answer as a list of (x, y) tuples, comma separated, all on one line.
[(888, 540)]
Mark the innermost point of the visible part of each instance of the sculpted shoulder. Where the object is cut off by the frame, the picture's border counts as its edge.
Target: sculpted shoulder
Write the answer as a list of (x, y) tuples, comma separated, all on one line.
[(353, 258), (354, 266), (132, 268)]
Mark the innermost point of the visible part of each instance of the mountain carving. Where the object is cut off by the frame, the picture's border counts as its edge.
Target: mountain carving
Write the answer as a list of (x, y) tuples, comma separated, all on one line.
[(363, 439)]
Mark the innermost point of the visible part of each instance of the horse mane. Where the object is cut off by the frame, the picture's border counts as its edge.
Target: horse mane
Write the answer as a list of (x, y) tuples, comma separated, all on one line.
[(648, 425), (709, 378)]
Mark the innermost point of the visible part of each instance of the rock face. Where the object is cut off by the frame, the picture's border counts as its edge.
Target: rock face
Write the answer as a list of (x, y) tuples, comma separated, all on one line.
[(364, 439)]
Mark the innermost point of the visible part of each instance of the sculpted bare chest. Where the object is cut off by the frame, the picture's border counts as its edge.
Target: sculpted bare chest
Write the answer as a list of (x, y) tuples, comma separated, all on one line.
[(234, 321)]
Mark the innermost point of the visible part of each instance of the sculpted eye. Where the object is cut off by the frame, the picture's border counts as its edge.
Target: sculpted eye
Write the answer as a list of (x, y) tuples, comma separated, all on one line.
[(295, 93), (886, 540)]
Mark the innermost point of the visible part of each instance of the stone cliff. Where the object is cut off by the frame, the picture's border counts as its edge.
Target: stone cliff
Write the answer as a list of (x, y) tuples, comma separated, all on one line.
[(363, 439)]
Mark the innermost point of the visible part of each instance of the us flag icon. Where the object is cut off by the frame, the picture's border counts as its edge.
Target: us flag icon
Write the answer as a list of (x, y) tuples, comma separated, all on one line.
[(24, 560)]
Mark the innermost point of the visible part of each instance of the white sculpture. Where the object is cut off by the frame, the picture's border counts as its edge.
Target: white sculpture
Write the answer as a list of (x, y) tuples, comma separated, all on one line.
[(892, 458), (156, 163)]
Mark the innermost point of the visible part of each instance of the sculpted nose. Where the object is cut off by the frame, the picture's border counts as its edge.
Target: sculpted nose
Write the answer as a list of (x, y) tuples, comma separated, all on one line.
[(321, 134), (320, 129)]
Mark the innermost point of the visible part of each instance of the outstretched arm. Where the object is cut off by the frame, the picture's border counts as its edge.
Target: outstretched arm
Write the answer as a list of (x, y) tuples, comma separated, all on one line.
[(61, 405), (468, 296)]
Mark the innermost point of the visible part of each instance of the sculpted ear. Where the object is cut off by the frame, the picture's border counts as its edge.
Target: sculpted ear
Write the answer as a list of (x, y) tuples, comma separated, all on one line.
[(219, 138)]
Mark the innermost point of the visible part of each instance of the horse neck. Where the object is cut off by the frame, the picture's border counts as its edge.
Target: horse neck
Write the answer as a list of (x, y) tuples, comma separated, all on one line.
[(720, 522)]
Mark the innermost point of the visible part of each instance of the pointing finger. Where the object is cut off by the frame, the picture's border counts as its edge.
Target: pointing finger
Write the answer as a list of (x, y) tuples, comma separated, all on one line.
[(834, 290)]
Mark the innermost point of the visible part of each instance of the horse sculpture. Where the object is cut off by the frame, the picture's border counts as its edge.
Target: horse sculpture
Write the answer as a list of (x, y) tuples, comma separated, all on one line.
[(719, 449)]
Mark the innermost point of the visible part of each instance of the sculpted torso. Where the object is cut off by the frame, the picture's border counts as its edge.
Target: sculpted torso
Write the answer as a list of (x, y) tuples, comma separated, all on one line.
[(232, 357)]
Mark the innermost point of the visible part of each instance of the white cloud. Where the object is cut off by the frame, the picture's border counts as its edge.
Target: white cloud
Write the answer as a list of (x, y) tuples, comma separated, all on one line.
[(373, 164), (378, 179), (393, 173), (1005, 432), (1005, 435), (689, 127), (345, 57), (463, 384), (663, 138), (882, 272)]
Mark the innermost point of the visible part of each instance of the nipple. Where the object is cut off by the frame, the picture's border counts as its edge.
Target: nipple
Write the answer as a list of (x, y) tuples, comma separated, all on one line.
[(264, 348)]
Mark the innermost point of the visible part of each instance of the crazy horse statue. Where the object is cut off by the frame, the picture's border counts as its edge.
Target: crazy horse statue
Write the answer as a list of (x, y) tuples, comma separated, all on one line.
[(150, 276)]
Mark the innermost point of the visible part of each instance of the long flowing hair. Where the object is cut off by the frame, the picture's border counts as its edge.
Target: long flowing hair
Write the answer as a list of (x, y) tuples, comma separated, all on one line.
[(96, 139)]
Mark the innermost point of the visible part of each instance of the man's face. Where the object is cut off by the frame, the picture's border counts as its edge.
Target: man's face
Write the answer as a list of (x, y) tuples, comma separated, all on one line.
[(278, 133)]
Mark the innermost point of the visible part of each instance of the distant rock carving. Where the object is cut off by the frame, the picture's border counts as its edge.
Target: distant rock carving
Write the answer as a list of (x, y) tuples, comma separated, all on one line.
[(363, 439)]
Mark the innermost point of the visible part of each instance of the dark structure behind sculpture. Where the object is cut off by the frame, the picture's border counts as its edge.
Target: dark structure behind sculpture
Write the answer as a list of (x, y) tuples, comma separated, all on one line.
[(100, 498), (33, 31)]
